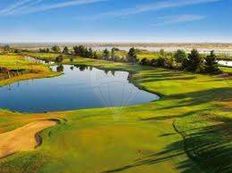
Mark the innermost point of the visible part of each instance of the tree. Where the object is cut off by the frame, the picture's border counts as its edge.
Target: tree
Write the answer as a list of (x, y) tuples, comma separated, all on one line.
[(160, 62), (194, 62), (56, 49), (162, 52), (65, 50), (80, 50), (17, 51), (132, 55), (169, 62), (180, 56), (84, 51), (7, 48), (44, 50), (113, 50), (144, 61), (76, 50), (106, 54), (211, 65), (153, 62), (59, 59), (90, 53), (95, 55), (60, 68)]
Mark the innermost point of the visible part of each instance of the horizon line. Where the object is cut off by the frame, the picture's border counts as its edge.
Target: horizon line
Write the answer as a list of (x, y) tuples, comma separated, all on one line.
[(115, 42)]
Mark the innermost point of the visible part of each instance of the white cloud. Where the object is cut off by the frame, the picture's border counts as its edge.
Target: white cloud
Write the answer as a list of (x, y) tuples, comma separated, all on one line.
[(33, 6), (161, 5), (167, 20), (14, 6)]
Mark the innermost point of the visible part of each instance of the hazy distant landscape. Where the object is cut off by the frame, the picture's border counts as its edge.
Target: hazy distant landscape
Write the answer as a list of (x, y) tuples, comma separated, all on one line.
[(170, 47)]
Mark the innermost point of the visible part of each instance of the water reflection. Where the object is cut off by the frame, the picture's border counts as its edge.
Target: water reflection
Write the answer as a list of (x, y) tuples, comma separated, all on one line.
[(225, 63), (80, 86), (60, 68)]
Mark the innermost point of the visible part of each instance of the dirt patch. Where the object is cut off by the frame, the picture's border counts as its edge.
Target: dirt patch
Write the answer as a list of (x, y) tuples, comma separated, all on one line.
[(25, 138)]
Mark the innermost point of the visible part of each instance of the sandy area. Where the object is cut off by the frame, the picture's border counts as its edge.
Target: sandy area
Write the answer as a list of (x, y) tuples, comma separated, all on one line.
[(23, 139)]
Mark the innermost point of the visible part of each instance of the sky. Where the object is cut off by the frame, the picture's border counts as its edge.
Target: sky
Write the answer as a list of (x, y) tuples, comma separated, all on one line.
[(115, 21)]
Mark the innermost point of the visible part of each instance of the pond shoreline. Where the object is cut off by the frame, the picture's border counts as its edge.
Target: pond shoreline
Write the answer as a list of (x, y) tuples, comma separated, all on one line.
[(99, 105)]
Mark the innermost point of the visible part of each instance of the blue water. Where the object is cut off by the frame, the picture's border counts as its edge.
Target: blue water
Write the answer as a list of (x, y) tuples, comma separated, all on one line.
[(78, 87)]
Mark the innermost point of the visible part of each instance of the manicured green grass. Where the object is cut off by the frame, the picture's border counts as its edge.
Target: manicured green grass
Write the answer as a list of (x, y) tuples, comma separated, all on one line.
[(188, 130)]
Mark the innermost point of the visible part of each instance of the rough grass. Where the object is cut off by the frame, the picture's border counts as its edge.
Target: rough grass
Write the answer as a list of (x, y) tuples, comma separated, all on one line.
[(18, 62), (44, 56), (226, 69), (148, 55), (141, 54), (188, 130)]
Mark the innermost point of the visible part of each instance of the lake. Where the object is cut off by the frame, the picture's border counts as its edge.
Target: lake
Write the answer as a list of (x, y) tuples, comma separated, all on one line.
[(225, 63), (78, 87)]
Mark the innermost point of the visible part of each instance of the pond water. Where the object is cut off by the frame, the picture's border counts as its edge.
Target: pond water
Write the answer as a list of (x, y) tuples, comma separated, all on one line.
[(78, 87), (225, 63)]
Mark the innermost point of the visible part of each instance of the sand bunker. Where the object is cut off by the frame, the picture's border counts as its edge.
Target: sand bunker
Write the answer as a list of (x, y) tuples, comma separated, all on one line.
[(24, 138)]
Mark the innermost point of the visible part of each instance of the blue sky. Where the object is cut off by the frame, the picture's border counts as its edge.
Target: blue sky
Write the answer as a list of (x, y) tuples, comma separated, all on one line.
[(116, 20)]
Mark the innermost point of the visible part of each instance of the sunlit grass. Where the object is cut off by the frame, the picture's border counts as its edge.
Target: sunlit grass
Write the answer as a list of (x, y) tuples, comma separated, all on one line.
[(226, 69), (44, 56), (188, 130), (19, 63)]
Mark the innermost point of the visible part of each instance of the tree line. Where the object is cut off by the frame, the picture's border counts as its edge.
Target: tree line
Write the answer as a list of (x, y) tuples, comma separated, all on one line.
[(85, 52), (193, 61)]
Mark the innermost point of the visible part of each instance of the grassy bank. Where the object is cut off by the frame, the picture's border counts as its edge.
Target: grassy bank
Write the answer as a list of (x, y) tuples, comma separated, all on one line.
[(226, 69), (188, 130), (27, 69), (43, 56)]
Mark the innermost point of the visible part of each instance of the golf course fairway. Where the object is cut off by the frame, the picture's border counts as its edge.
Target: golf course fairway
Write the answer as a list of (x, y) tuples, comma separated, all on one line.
[(187, 130)]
